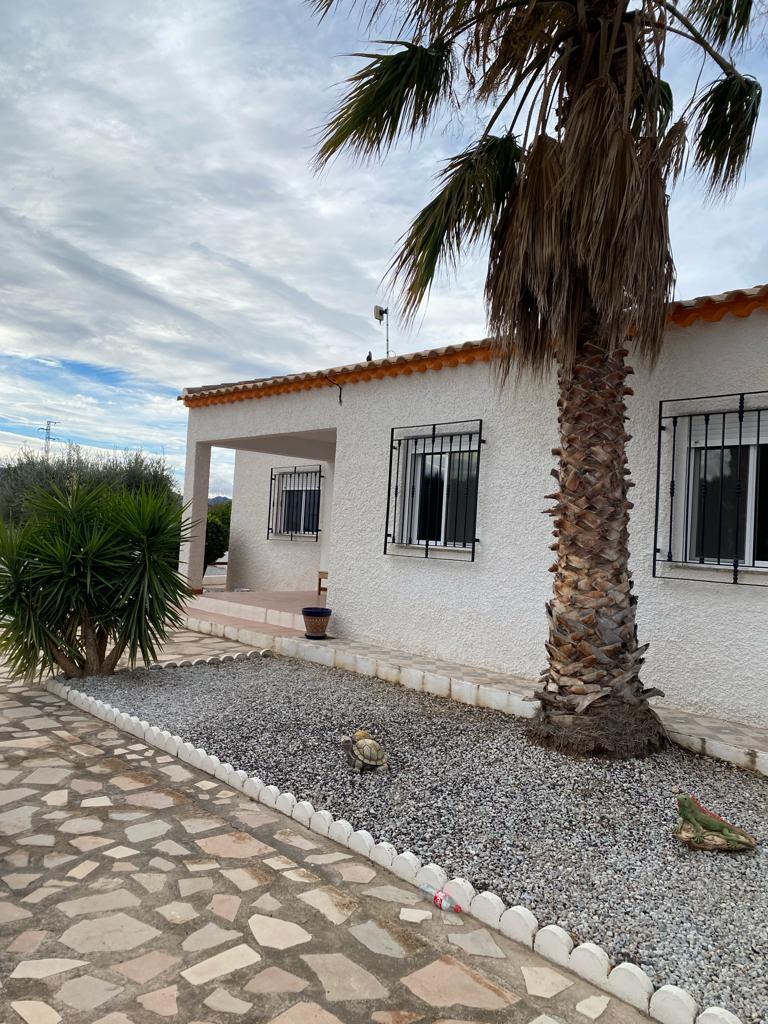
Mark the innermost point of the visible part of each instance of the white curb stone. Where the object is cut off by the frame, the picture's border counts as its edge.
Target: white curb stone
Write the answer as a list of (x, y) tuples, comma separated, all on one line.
[(406, 866), (237, 779), (320, 822), (464, 692), (185, 752), (436, 684), (628, 982), (554, 943), (172, 745), (223, 772), (210, 764), (717, 1015), (383, 854), (590, 961), (519, 924), (412, 678), (361, 842), (340, 831), (461, 891), (252, 787), (431, 875), (488, 908), (285, 803), (269, 795), (153, 736), (673, 1005), (302, 812)]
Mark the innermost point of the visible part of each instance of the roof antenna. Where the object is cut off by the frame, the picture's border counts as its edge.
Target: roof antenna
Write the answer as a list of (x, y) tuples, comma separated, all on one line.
[(381, 314)]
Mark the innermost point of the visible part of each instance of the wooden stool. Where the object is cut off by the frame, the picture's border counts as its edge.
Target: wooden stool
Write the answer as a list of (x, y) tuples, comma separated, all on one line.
[(322, 575)]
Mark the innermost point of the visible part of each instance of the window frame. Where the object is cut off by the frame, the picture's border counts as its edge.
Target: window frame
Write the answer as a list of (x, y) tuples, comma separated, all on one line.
[(688, 429), (410, 449), (285, 480)]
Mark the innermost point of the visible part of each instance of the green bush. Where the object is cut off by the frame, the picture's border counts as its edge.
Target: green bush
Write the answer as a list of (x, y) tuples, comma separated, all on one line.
[(90, 575), (216, 539), (28, 471)]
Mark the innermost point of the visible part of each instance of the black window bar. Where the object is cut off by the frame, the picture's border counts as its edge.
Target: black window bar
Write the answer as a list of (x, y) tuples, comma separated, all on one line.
[(294, 503), (712, 489), (432, 490)]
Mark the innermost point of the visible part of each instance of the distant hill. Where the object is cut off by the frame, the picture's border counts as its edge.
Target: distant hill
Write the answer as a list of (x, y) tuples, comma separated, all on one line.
[(220, 499)]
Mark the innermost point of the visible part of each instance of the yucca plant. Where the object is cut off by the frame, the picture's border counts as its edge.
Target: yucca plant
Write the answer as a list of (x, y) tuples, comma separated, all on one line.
[(89, 577), (567, 186)]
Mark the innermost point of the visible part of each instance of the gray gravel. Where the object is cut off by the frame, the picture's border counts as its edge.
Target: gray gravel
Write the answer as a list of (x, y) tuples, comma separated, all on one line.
[(584, 844)]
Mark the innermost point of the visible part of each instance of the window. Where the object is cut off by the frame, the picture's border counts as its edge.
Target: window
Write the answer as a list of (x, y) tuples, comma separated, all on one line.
[(715, 464), (432, 501), (294, 503)]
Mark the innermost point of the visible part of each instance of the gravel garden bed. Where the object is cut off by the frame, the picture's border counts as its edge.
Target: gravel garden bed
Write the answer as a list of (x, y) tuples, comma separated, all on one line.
[(584, 844)]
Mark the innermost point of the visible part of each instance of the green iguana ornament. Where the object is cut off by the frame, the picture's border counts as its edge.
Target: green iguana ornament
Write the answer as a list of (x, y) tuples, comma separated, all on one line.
[(705, 830)]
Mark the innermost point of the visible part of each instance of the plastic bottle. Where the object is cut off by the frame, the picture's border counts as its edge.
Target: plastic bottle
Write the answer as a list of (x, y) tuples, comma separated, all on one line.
[(441, 899)]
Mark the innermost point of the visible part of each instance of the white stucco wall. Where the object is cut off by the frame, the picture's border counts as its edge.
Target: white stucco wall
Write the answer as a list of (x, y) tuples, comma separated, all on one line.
[(275, 564), (709, 644)]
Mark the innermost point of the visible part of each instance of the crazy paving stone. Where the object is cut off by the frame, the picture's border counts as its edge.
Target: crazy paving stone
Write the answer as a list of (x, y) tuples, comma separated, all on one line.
[(343, 979), (207, 937), (196, 825), (248, 878), (177, 913), (392, 894), (115, 932), (478, 943), (359, 873), (27, 942), (162, 1001), (146, 830), (222, 1001), (414, 916), (222, 963), (327, 858), (189, 886), (397, 1017), (82, 869), (275, 933), (306, 1013), (376, 938), (155, 801), (275, 979), (87, 992), (267, 903), (81, 826), (117, 900), (593, 1007), (446, 982), (47, 776), (544, 982), (45, 968), (152, 881), (334, 904), (20, 880), (237, 845), (279, 863), (146, 967), (226, 906), (10, 796), (292, 838), (33, 1011), (301, 875), (9, 913)]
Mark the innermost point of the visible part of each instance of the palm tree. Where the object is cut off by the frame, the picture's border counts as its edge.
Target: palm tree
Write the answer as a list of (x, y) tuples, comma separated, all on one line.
[(567, 186)]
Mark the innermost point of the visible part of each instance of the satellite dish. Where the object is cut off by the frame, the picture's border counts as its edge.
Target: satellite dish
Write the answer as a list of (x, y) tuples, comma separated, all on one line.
[(379, 312)]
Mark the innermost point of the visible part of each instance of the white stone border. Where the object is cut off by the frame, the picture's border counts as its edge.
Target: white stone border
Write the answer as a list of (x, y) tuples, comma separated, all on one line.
[(667, 1004)]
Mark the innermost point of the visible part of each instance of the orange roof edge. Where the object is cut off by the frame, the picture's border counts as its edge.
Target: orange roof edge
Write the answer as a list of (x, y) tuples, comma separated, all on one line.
[(710, 308)]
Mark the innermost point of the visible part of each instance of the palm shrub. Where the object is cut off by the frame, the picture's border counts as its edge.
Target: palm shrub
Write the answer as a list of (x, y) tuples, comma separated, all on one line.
[(90, 576), (566, 185)]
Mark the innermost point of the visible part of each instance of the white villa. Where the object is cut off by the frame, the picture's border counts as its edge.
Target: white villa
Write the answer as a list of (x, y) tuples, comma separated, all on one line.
[(418, 488)]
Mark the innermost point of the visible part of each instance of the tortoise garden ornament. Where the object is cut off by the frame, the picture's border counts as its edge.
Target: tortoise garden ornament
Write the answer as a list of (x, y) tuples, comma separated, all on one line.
[(704, 830), (364, 751)]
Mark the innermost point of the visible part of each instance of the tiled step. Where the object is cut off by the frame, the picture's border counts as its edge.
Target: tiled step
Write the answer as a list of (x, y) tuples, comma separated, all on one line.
[(204, 605), (242, 630)]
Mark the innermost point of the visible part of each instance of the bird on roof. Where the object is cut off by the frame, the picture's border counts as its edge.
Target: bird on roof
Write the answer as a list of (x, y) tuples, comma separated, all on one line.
[(369, 357)]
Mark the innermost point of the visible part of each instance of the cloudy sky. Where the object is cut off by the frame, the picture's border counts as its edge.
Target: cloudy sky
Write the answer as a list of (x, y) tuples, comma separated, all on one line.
[(161, 227)]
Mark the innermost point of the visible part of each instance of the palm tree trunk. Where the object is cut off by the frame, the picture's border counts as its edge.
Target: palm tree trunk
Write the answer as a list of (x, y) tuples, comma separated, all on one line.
[(592, 699)]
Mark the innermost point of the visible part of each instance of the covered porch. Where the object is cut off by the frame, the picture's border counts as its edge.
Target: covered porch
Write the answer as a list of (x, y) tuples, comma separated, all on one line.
[(281, 519)]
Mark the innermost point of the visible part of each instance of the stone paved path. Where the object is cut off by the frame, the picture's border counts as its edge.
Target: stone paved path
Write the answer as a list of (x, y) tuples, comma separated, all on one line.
[(134, 889)]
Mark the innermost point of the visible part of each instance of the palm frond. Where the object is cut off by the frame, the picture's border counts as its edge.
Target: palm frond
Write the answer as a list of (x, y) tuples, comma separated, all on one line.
[(394, 93), (724, 22), (725, 118), (473, 190)]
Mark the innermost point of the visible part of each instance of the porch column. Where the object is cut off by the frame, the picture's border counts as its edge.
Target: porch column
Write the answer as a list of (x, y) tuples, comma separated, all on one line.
[(196, 477)]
